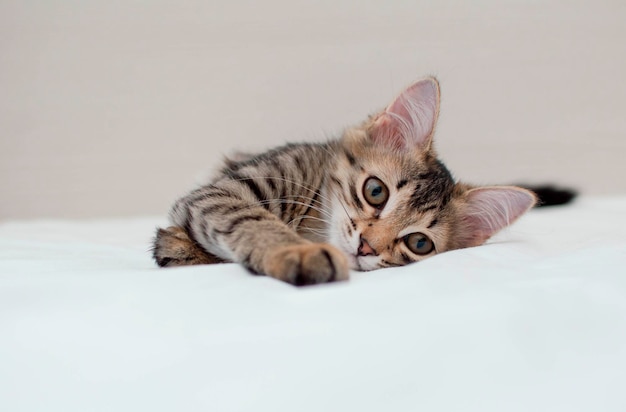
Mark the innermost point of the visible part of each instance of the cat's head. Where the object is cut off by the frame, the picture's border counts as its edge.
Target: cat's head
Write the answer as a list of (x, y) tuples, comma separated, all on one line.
[(394, 202)]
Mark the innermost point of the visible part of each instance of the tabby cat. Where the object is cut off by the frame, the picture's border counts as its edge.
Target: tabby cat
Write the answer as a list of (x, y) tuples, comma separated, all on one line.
[(307, 213)]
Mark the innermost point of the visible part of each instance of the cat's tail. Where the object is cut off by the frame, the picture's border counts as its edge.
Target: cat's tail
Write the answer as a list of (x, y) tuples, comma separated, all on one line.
[(550, 195)]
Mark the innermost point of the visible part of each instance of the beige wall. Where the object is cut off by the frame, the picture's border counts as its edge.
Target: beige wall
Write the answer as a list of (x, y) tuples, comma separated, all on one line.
[(112, 108)]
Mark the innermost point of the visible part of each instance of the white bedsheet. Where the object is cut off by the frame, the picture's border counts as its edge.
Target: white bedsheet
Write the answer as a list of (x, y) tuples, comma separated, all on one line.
[(534, 321)]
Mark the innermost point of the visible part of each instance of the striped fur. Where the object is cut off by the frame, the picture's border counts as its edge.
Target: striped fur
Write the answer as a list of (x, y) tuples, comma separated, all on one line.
[(300, 213)]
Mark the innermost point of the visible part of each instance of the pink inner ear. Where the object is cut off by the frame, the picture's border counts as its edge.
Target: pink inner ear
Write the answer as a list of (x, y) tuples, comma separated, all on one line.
[(490, 209), (410, 119)]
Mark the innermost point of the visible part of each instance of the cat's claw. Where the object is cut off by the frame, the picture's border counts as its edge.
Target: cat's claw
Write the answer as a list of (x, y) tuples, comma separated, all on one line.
[(307, 264)]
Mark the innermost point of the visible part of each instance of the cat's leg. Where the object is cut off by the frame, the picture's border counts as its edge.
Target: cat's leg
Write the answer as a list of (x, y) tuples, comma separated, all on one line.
[(264, 244), (173, 247), (240, 228)]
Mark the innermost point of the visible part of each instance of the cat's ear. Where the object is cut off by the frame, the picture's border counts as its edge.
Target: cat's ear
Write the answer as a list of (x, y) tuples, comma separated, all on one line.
[(487, 210), (409, 121)]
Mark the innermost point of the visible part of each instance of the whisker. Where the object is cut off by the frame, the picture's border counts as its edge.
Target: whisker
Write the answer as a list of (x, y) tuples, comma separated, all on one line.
[(308, 217), (295, 202), (315, 204), (316, 192), (342, 206), (324, 232), (286, 201)]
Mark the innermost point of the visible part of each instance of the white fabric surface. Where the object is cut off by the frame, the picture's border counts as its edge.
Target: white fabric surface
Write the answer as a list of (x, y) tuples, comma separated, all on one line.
[(533, 321)]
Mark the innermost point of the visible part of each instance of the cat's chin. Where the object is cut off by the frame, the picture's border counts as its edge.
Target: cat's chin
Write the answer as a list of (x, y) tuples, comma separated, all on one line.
[(366, 263), (362, 264), (353, 261)]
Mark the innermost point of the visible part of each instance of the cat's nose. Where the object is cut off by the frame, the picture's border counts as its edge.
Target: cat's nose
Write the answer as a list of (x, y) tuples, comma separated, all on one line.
[(365, 249)]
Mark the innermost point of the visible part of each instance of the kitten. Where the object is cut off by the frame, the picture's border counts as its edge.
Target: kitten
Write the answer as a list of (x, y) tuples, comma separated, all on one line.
[(307, 213)]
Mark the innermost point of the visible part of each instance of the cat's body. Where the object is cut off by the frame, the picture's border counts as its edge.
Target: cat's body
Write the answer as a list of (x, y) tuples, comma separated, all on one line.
[(306, 213)]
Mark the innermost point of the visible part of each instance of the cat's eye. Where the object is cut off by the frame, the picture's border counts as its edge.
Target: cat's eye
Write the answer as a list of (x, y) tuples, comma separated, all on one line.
[(375, 192), (419, 243)]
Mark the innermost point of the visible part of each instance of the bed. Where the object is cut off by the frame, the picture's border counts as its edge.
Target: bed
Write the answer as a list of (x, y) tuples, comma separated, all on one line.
[(533, 321)]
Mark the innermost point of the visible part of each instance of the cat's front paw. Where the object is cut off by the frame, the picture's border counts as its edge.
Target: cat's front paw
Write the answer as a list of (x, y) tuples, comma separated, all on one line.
[(307, 264)]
